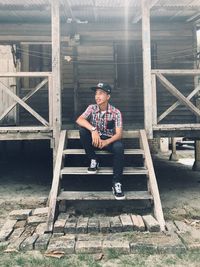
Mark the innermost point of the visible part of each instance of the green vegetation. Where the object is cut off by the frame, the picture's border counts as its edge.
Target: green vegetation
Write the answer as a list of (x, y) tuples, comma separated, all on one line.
[(111, 258)]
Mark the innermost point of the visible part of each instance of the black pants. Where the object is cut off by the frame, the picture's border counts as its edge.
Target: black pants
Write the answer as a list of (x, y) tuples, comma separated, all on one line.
[(116, 148)]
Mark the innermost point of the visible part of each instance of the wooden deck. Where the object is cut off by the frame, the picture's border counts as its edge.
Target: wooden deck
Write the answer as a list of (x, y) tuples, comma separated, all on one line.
[(25, 133)]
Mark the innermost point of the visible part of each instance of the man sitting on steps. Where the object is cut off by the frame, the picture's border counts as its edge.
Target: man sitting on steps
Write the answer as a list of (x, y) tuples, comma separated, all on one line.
[(101, 128)]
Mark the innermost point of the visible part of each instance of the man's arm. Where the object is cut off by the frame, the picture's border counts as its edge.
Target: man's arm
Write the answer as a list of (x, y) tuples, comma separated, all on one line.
[(115, 137), (81, 121)]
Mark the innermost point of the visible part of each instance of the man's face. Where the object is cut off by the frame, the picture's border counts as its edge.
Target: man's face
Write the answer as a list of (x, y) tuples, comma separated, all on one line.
[(101, 97)]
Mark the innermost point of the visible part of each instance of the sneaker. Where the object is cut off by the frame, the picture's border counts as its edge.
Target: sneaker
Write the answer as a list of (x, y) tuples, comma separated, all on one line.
[(117, 191), (94, 165)]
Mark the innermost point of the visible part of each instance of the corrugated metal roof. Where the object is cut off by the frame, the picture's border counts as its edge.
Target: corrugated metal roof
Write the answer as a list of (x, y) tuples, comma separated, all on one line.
[(96, 10)]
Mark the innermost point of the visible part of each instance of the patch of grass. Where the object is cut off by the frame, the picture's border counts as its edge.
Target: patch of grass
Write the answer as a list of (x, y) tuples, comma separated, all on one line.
[(112, 253)]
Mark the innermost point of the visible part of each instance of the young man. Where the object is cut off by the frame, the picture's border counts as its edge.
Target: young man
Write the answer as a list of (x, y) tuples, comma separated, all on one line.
[(101, 128)]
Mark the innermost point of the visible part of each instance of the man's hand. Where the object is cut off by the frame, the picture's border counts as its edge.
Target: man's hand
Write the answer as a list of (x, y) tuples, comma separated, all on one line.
[(95, 139), (103, 143)]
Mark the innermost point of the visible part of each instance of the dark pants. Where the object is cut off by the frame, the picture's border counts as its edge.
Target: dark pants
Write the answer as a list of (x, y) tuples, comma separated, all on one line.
[(116, 148)]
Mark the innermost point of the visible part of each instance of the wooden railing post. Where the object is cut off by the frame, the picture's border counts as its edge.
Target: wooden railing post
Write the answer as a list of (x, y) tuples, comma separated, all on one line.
[(146, 45)]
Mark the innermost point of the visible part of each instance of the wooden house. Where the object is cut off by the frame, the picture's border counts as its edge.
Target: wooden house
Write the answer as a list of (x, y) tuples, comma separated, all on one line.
[(51, 52)]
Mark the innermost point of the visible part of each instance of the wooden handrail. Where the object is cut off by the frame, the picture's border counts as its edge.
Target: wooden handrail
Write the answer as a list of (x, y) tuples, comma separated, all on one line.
[(55, 182), (176, 72), (153, 187)]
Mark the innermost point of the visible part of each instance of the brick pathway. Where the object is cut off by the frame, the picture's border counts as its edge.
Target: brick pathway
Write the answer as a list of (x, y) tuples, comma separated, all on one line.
[(24, 230)]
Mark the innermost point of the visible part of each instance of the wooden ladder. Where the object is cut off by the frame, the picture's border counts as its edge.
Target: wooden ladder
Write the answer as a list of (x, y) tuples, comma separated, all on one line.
[(152, 192)]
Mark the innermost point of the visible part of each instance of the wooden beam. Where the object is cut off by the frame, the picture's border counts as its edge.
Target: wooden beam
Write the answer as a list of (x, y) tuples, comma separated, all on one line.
[(176, 72), (177, 103), (154, 99), (24, 105), (55, 182), (56, 65), (146, 45), (25, 74), (175, 92), (158, 212), (173, 127), (31, 93)]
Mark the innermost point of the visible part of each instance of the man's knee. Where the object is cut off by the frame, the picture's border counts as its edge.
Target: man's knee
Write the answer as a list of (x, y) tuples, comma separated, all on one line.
[(118, 147)]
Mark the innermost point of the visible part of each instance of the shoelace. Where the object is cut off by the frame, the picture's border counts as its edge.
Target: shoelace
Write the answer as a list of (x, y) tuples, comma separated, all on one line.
[(93, 163), (118, 188)]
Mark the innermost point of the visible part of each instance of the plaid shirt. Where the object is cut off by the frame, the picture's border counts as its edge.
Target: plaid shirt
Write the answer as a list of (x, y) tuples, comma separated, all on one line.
[(106, 122)]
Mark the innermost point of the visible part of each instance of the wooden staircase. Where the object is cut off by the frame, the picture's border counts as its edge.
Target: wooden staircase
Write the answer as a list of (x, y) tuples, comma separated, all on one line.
[(151, 194)]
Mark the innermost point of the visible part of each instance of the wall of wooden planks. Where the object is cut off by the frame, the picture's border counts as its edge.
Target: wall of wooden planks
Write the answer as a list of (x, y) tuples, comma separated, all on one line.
[(97, 55)]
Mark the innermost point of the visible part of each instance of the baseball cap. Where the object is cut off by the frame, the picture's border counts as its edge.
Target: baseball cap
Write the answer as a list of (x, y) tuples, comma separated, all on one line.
[(103, 86)]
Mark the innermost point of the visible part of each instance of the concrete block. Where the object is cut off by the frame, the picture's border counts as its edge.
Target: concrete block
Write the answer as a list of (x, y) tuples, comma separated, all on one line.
[(20, 214), (42, 242), (88, 246), (28, 243)]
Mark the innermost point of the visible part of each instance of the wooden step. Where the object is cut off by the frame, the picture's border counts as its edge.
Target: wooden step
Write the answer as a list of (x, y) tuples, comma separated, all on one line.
[(104, 171), (102, 195), (102, 152), (74, 134)]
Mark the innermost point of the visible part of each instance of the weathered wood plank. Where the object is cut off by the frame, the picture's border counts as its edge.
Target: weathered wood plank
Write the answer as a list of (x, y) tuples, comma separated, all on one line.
[(55, 183), (102, 152), (158, 213), (74, 134), (102, 195), (146, 55), (104, 171)]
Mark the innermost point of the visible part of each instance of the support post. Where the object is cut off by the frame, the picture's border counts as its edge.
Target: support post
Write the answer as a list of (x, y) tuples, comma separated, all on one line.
[(146, 45), (196, 165), (173, 156), (56, 75)]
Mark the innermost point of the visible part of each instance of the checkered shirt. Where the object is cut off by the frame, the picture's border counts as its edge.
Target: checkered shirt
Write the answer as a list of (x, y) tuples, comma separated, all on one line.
[(105, 123)]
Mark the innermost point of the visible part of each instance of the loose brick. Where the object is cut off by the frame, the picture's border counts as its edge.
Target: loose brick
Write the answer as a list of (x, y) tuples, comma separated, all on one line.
[(70, 226), (126, 221), (88, 246), (104, 224), (41, 212), (59, 226), (20, 214), (138, 223), (15, 246), (156, 242), (64, 244), (20, 224), (115, 224), (28, 243), (16, 233), (7, 229), (151, 223), (93, 225), (41, 228), (42, 242), (35, 220), (122, 246), (82, 225)]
